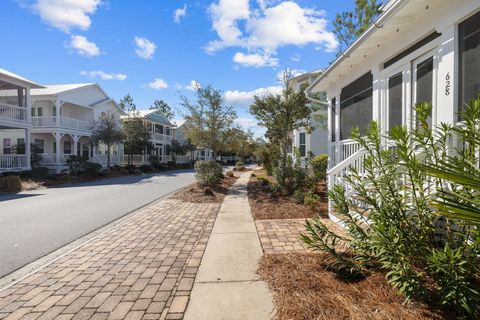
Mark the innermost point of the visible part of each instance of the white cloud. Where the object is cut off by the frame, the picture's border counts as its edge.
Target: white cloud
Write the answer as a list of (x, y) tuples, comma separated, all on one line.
[(66, 14), (274, 24), (255, 60), (158, 84), (180, 13), (144, 48), (83, 46), (194, 85), (103, 75), (244, 99)]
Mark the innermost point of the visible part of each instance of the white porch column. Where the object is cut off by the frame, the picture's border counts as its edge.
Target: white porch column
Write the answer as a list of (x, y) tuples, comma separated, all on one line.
[(28, 105), (58, 106), (58, 139), (446, 108), (376, 96), (75, 144), (28, 137)]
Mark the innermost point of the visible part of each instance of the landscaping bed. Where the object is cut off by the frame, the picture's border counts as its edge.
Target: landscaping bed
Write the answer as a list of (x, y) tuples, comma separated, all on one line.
[(197, 194), (266, 204), (305, 287)]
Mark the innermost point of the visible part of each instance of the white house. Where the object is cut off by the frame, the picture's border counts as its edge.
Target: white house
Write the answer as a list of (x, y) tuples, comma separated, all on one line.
[(61, 120), (200, 153), (161, 132), (417, 51), (15, 123), (314, 142)]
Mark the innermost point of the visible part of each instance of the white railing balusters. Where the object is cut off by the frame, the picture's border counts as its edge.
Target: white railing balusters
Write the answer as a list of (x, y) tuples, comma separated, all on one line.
[(13, 162), (12, 112)]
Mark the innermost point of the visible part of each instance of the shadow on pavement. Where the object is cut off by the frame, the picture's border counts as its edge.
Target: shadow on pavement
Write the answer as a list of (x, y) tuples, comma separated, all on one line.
[(15, 196)]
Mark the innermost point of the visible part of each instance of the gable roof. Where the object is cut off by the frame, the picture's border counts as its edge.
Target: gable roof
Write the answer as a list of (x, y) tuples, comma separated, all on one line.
[(155, 116), (17, 78)]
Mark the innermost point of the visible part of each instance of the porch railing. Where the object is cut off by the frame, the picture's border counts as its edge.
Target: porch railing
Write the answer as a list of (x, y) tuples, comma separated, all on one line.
[(161, 137), (13, 162), (12, 112), (342, 150), (65, 122)]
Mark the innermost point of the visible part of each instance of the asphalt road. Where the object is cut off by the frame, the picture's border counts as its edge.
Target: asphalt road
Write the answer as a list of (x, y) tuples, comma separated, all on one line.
[(35, 223)]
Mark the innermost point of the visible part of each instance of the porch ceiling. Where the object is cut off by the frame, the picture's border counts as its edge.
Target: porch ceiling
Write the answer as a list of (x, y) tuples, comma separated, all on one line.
[(399, 23)]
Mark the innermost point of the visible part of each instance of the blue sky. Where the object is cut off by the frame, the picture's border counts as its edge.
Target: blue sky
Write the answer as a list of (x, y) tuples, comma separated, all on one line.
[(154, 49)]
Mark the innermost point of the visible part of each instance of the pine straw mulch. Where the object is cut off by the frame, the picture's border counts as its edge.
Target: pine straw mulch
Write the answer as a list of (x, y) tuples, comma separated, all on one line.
[(195, 193), (305, 288), (266, 206)]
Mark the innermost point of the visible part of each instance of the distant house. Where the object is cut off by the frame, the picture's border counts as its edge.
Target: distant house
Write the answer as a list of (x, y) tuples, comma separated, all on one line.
[(316, 141), (15, 122), (200, 153), (417, 51), (161, 134)]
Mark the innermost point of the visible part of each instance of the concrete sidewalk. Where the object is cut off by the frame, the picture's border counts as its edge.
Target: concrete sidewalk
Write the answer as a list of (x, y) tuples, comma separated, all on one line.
[(227, 285)]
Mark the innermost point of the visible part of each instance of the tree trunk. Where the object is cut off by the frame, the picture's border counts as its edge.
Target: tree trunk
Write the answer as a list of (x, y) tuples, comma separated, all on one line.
[(108, 157)]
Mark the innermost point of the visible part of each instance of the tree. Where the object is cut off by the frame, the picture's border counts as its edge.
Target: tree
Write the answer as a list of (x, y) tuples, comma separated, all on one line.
[(164, 108), (208, 118), (348, 26), (281, 114), (177, 149), (127, 105), (137, 136), (190, 147), (239, 142), (107, 131)]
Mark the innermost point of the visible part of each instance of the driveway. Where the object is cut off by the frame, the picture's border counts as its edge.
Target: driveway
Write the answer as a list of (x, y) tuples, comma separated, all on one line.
[(35, 223)]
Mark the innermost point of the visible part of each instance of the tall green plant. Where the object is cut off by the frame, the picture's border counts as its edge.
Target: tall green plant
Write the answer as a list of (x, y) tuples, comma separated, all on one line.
[(392, 220)]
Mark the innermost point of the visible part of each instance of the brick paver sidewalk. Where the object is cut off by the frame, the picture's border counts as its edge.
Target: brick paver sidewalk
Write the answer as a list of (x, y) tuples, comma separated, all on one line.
[(143, 268)]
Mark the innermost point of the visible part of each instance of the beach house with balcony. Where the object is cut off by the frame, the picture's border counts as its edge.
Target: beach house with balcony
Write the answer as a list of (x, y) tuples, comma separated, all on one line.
[(15, 123), (62, 117), (161, 133), (417, 51)]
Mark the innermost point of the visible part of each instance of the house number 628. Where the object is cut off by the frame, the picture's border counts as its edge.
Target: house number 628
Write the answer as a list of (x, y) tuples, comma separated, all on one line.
[(447, 84)]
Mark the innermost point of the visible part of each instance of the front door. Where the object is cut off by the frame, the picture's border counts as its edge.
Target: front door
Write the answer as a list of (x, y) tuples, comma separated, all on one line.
[(396, 103)]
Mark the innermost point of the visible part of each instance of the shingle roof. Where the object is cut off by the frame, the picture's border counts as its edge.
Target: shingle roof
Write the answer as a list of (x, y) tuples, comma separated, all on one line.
[(156, 116)]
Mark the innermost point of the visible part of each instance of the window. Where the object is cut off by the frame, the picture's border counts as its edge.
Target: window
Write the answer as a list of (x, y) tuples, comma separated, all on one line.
[(424, 84), (149, 127), (302, 145), (167, 149), (20, 146), (40, 145), (332, 120), (395, 104), (356, 106), (67, 147), (158, 128), (7, 146), (167, 131), (54, 111), (40, 111), (469, 59), (33, 112)]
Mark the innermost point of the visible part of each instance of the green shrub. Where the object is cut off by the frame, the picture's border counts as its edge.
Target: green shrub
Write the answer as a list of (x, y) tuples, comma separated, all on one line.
[(392, 217), (39, 172), (208, 173), (311, 199), (76, 163), (147, 168), (253, 175), (92, 169), (319, 166), (230, 174), (10, 184), (299, 196)]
